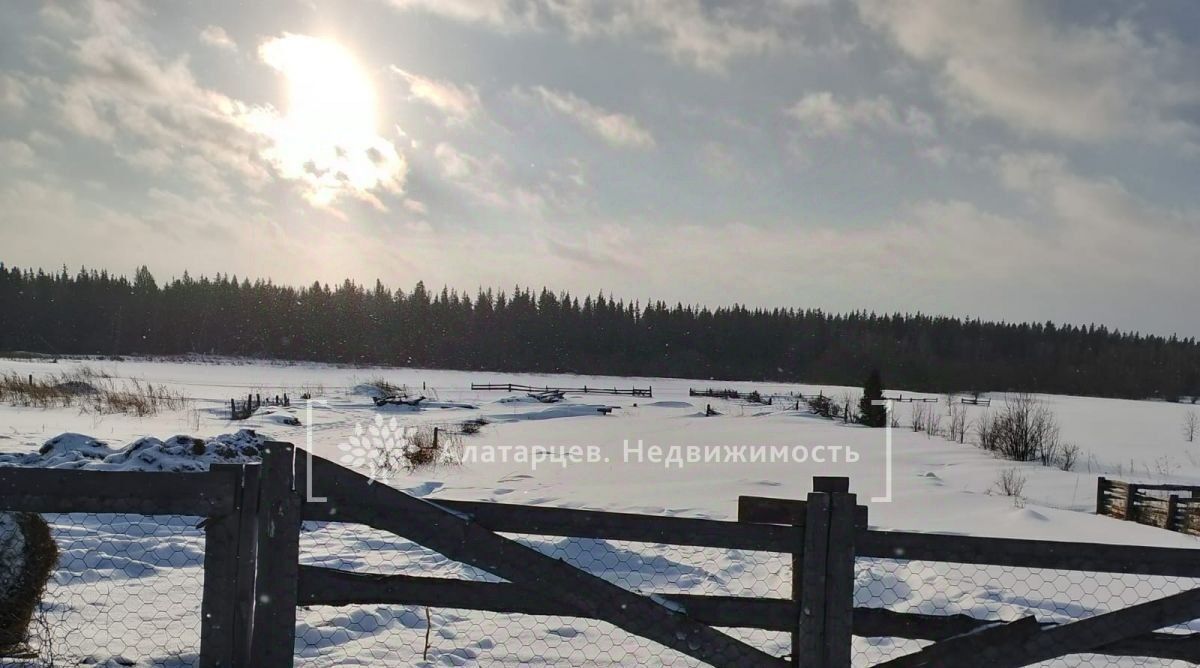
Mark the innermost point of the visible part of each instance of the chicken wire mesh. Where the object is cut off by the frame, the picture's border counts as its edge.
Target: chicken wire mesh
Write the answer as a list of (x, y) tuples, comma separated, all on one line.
[(1003, 593), (432, 636), (126, 591)]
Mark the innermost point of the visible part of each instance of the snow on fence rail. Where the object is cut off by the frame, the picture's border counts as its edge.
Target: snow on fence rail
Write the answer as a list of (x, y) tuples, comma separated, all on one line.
[(254, 582), (1159, 505), (516, 387)]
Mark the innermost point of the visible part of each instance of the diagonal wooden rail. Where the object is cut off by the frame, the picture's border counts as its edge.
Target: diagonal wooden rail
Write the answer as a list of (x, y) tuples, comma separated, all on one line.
[(351, 497)]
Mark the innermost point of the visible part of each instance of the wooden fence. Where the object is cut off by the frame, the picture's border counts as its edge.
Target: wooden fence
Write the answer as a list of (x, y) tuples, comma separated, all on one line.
[(516, 387), (253, 582), (242, 410), (1171, 507)]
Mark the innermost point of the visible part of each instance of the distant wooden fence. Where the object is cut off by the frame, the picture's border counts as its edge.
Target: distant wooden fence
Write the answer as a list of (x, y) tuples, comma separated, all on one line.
[(242, 410), (1171, 507), (253, 582), (715, 394), (516, 387), (908, 400)]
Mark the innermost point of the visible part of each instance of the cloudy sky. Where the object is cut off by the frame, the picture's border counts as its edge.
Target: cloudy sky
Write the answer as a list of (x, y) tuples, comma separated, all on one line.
[(1009, 160)]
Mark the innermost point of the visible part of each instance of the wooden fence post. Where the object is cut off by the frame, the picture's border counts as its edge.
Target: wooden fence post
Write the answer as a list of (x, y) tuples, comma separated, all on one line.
[(1172, 510), (825, 575), (1101, 489), (279, 516), (839, 571), (808, 641), (229, 560), (1130, 508), (220, 576)]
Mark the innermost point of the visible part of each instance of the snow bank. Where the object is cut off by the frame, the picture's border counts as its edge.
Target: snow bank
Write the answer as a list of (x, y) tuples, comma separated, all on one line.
[(178, 453)]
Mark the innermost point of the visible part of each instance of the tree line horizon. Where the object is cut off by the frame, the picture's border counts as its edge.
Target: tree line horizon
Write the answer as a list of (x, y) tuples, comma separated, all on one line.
[(100, 313)]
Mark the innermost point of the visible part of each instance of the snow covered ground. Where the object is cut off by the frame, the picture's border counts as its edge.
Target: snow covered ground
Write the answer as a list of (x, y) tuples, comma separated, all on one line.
[(136, 563)]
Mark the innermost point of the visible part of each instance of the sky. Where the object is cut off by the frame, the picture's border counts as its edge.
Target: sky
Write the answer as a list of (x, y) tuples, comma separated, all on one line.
[(1004, 160)]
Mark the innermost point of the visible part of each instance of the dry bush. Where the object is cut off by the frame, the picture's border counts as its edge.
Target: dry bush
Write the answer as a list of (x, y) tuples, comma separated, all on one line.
[(920, 417), (21, 595), (986, 433), (822, 405), (933, 422), (28, 392), (848, 412), (135, 398), (427, 446), (472, 426), (1026, 430), (1011, 483), (1068, 455), (386, 387), (1191, 425), (956, 430), (92, 391)]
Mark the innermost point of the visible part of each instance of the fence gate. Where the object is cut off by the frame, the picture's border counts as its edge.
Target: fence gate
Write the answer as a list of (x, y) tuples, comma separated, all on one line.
[(530, 574), (253, 581)]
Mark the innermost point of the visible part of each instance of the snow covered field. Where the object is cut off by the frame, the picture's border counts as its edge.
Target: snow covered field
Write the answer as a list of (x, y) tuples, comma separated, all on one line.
[(937, 486)]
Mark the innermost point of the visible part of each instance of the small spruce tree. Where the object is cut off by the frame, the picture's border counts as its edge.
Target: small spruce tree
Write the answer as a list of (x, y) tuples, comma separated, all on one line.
[(871, 414)]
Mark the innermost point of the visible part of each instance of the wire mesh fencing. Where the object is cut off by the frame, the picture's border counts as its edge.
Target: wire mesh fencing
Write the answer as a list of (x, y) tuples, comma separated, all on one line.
[(1002, 593), (126, 591), (431, 635)]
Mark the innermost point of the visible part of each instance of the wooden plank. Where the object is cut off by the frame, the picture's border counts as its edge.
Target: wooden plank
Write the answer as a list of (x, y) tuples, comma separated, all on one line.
[(771, 510), (1086, 634), (604, 525), (279, 518), (459, 537), (1096, 557), (247, 551), (200, 494), (1161, 487), (976, 648), (808, 642), (326, 586), (831, 484), (839, 580), (883, 623), (217, 608)]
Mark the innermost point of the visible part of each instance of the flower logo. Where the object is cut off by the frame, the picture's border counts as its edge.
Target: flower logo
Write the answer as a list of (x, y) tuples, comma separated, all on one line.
[(380, 448)]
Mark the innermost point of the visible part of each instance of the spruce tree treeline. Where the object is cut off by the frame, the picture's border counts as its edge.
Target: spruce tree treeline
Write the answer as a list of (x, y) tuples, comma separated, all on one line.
[(94, 312)]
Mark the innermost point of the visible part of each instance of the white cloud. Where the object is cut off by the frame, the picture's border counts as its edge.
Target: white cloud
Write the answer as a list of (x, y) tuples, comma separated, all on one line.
[(691, 32), (501, 14), (821, 114), (14, 94), (216, 36), (152, 159), (459, 103), (16, 154), (121, 90), (43, 139), (700, 34), (488, 181), (1011, 61), (620, 130), (719, 162)]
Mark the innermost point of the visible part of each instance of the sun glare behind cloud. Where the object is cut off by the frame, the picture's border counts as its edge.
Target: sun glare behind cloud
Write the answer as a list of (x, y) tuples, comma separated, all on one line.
[(327, 139)]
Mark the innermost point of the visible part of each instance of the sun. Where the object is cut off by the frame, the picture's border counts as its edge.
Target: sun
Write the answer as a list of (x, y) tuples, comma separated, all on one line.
[(327, 137)]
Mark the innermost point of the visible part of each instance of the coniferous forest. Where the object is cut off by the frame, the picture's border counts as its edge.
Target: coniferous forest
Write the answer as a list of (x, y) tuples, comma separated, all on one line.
[(519, 329)]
